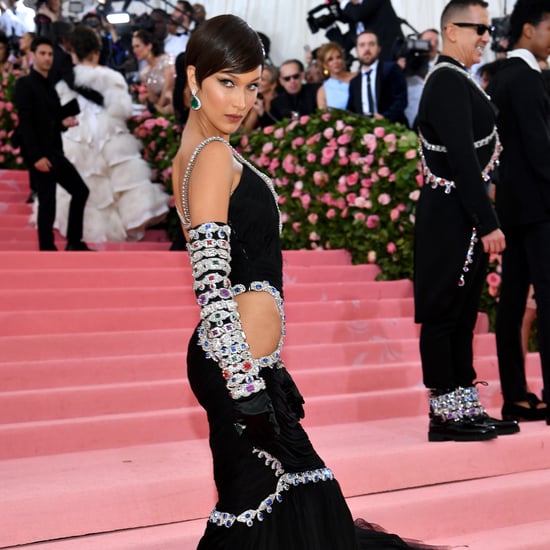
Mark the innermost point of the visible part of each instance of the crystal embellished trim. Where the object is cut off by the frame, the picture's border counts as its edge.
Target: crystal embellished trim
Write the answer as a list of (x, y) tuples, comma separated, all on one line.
[(437, 181), (470, 402), (448, 406), (469, 257), (184, 214), (286, 481)]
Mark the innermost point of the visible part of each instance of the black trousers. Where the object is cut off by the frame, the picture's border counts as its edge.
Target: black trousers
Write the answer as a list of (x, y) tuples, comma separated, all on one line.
[(525, 261), (64, 173), (446, 343)]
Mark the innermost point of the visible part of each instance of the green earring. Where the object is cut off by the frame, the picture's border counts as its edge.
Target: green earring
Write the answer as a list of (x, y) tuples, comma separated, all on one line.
[(195, 101)]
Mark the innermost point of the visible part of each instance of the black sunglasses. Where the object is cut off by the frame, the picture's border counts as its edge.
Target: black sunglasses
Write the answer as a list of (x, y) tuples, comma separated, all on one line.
[(480, 28), (292, 76)]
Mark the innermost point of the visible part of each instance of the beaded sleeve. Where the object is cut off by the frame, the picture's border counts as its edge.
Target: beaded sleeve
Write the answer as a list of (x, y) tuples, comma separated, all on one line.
[(225, 341)]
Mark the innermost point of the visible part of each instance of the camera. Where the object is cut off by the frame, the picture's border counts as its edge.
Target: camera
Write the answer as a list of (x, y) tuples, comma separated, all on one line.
[(325, 20), (416, 53), (499, 43)]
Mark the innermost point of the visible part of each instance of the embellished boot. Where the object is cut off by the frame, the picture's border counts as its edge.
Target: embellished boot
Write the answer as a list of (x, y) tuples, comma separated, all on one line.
[(477, 413), (449, 422)]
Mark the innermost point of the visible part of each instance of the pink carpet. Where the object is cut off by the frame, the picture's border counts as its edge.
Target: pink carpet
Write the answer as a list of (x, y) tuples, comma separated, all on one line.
[(102, 444)]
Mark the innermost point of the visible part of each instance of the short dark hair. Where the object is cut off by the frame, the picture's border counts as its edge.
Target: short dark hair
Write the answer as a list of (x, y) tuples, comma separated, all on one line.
[(296, 62), (224, 43), (39, 41), (454, 7), (84, 41), (526, 11)]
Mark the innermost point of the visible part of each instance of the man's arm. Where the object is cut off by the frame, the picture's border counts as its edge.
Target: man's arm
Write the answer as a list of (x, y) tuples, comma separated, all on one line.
[(395, 86)]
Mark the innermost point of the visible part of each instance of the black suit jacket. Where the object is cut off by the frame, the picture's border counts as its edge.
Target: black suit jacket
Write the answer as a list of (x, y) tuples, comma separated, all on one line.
[(454, 113), (523, 188), (377, 16), (304, 102), (391, 92), (40, 115)]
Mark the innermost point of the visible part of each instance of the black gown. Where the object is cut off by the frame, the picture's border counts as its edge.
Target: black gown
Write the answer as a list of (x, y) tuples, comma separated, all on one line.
[(275, 494)]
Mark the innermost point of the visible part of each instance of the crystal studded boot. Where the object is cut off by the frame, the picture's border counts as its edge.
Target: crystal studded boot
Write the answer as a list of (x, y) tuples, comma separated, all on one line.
[(449, 422)]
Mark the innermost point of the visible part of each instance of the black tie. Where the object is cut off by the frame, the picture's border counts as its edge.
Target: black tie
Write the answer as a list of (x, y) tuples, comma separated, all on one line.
[(370, 99)]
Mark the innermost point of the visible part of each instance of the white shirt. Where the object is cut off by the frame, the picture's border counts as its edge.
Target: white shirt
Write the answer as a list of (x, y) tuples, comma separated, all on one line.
[(17, 22), (364, 96), (174, 44), (527, 56)]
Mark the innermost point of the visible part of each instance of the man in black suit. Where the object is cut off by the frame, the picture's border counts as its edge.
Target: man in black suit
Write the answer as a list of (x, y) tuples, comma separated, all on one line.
[(456, 225), (297, 98), (523, 202), (380, 88), (41, 121)]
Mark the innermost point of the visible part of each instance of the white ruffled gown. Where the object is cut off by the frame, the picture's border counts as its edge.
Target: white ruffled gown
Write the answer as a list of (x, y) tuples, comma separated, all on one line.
[(123, 201)]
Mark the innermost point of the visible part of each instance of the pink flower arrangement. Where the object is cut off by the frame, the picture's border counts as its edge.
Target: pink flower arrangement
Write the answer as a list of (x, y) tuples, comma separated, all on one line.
[(10, 156), (347, 180)]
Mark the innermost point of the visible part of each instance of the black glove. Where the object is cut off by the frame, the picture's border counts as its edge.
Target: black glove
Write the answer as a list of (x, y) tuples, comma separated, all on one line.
[(255, 416)]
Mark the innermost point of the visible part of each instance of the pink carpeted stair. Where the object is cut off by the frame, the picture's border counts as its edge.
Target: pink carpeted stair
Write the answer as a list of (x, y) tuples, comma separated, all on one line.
[(102, 445)]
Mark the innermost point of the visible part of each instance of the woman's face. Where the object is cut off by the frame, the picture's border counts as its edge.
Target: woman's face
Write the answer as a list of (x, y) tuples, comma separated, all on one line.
[(25, 42), (140, 49), (227, 98), (334, 62), (267, 83)]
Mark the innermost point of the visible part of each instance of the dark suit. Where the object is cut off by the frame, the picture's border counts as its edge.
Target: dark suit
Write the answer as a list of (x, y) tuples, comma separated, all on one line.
[(391, 92), (523, 205), (453, 113), (379, 17), (303, 103), (39, 133)]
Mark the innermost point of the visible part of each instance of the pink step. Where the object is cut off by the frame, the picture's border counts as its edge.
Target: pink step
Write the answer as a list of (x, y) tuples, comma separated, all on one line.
[(171, 482), (19, 208)]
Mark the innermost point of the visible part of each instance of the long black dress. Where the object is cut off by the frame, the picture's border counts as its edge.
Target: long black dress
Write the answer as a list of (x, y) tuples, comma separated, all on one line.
[(275, 494)]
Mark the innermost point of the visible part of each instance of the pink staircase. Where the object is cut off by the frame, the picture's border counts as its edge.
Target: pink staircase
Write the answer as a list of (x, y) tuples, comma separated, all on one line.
[(102, 444)]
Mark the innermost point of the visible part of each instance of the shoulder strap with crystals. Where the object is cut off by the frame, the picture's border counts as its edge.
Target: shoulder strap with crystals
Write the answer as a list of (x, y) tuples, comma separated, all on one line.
[(464, 73), (185, 215)]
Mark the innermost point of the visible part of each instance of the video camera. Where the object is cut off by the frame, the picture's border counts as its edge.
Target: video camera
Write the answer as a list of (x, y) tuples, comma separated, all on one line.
[(499, 43), (334, 13)]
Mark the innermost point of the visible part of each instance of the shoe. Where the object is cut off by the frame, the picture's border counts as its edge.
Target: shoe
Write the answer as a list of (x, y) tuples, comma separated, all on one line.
[(511, 411), (502, 427), (82, 246), (50, 248), (460, 430)]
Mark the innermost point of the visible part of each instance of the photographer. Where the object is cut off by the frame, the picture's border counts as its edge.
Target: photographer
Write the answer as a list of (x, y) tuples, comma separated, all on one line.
[(374, 15)]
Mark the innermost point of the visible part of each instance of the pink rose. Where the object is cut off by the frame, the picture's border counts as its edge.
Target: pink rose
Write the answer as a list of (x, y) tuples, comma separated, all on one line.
[(391, 248), (311, 157), (331, 213), (268, 130), (343, 139), (312, 218), (372, 221), (384, 172), (371, 257), (410, 154), (267, 147), (384, 199), (394, 214), (328, 133), (379, 131), (359, 216)]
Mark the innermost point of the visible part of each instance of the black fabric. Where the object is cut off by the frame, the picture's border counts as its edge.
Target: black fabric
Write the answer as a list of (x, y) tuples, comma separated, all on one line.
[(452, 113), (303, 103), (311, 516), (255, 240)]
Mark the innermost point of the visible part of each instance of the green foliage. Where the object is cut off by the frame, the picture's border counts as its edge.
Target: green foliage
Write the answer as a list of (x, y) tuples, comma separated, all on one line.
[(344, 181)]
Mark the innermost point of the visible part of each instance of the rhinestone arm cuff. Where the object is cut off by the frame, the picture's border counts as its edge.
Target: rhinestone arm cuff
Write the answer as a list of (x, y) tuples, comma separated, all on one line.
[(225, 342)]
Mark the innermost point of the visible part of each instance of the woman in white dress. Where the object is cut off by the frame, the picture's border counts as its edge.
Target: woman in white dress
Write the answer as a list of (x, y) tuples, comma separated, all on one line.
[(122, 201)]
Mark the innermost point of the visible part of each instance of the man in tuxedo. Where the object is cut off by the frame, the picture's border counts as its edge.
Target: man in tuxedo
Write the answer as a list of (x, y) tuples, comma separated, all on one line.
[(523, 202), (41, 121), (456, 225), (379, 89), (297, 98)]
